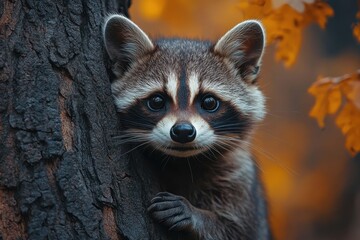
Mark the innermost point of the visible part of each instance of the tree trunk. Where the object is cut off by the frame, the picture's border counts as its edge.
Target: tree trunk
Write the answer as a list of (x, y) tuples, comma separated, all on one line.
[(61, 175)]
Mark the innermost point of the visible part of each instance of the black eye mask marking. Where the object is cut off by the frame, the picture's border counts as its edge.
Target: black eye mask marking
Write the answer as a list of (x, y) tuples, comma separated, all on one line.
[(226, 119), (139, 116)]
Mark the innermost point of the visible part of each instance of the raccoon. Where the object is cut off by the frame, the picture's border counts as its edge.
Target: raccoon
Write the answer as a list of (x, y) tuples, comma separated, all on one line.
[(191, 107)]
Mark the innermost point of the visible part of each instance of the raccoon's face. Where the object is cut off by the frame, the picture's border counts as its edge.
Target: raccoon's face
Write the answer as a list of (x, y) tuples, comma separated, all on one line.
[(185, 97)]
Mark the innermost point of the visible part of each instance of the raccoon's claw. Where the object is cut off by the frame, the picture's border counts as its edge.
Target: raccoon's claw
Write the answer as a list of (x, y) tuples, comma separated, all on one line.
[(171, 210)]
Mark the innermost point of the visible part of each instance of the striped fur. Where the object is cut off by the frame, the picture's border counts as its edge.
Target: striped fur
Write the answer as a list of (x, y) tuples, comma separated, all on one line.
[(211, 186)]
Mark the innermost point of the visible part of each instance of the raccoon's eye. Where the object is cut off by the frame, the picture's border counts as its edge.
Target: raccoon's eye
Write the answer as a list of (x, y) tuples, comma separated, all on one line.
[(156, 102), (209, 103)]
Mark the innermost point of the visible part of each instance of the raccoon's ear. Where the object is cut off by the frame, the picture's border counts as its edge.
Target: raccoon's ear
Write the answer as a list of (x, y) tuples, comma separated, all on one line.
[(125, 42), (243, 45)]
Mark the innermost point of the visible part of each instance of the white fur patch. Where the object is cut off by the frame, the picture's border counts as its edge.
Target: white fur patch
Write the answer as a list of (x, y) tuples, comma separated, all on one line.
[(204, 133), (161, 132), (124, 99), (193, 86), (172, 85), (258, 107)]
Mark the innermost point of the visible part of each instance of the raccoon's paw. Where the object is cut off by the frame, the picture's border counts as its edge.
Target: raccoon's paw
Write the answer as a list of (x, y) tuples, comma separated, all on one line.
[(173, 211)]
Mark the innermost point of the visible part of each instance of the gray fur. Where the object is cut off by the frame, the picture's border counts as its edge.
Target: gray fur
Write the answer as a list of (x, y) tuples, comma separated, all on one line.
[(212, 194)]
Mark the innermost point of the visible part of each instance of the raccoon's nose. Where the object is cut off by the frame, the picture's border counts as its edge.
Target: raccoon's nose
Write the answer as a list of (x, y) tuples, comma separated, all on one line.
[(183, 132)]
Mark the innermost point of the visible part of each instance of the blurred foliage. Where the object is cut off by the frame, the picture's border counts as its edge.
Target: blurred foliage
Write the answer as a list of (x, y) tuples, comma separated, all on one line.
[(285, 21), (329, 93), (357, 27)]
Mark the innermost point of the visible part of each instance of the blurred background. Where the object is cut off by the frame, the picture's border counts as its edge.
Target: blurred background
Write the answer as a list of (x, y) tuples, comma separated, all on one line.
[(312, 182)]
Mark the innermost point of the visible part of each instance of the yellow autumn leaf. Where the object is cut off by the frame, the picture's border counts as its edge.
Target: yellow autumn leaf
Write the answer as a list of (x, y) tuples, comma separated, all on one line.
[(352, 89), (282, 30), (328, 93), (334, 99), (349, 123), (317, 12), (328, 99), (285, 24)]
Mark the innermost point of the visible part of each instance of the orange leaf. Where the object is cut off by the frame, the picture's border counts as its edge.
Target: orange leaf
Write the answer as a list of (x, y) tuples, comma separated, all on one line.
[(318, 12), (352, 89), (328, 99), (328, 93), (285, 25), (349, 123), (334, 100)]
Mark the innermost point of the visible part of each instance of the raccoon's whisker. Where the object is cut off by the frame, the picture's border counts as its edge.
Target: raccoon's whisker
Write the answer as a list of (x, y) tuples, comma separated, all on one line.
[(230, 125), (146, 120), (146, 124), (218, 145), (164, 162), (228, 138), (131, 138), (278, 116), (140, 145), (210, 150), (234, 130), (191, 174), (223, 147), (229, 129), (230, 143), (131, 141), (233, 118), (247, 144), (132, 132), (123, 136), (272, 158), (134, 148), (156, 147), (256, 160), (206, 153), (166, 158)]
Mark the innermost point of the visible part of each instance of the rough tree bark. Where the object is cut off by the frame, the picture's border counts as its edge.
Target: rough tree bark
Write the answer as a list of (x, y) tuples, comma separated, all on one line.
[(61, 175)]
